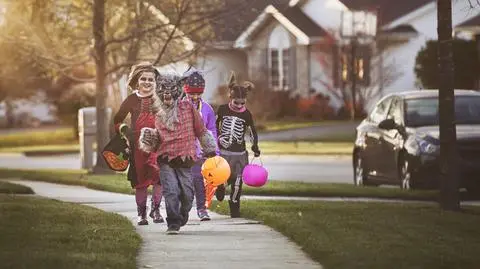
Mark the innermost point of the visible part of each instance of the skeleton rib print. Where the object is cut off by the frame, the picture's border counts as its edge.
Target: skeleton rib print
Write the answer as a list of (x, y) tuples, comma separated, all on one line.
[(232, 131)]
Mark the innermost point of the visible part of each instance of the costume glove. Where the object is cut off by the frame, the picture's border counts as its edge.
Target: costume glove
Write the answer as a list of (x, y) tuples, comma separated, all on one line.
[(256, 150), (210, 154)]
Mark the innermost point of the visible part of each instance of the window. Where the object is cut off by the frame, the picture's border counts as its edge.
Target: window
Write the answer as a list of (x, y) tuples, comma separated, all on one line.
[(379, 113), (285, 63), (362, 65), (279, 58), (395, 111), (424, 111)]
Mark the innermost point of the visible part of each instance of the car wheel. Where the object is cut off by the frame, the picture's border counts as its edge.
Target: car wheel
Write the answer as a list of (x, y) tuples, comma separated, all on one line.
[(406, 182), (359, 178)]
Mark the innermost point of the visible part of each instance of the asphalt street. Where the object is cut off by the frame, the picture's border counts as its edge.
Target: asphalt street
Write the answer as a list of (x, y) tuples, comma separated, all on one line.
[(280, 167)]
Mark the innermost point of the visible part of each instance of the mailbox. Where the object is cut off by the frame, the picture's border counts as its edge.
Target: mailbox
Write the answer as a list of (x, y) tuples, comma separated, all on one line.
[(87, 129)]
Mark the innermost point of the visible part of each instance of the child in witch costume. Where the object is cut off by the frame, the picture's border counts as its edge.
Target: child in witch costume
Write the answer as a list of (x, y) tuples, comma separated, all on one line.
[(194, 87), (178, 125), (233, 121), (143, 170)]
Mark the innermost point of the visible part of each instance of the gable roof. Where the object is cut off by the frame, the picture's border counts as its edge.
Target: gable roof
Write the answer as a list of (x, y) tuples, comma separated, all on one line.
[(303, 22), (388, 10), (292, 18), (229, 28), (472, 22)]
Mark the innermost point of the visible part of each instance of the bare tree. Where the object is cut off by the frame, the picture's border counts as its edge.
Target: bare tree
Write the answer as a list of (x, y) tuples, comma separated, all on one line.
[(110, 36), (376, 68)]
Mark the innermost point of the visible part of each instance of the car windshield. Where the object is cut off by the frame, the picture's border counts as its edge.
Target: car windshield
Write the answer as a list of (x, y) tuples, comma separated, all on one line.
[(424, 111)]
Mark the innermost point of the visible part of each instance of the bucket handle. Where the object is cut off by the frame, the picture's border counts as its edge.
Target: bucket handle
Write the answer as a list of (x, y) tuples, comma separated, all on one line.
[(260, 158)]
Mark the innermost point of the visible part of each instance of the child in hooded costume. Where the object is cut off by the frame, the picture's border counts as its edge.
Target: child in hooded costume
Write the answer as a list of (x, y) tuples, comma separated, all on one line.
[(178, 125), (143, 169), (194, 87), (233, 121)]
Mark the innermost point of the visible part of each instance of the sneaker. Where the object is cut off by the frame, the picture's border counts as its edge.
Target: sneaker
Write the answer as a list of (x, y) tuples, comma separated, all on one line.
[(142, 220), (142, 215), (220, 192), (155, 215), (234, 209), (173, 230), (203, 215)]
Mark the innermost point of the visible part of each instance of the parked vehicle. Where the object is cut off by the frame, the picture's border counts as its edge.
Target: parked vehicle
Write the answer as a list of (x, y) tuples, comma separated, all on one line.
[(398, 143)]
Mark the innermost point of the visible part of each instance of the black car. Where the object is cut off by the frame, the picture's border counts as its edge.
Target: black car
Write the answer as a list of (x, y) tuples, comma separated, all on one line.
[(398, 143)]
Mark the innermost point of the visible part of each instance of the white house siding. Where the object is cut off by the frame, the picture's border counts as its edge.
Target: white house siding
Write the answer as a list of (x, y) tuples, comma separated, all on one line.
[(426, 24), (217, 65), (326, 13), (257, 54), (321, 75)]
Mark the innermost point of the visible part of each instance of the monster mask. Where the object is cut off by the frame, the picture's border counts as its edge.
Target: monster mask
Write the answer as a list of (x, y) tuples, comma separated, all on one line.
[(169, 88)]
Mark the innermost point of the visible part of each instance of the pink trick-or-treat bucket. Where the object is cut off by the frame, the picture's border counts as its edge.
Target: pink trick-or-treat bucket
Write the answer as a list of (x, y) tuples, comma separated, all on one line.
[(255, 175)]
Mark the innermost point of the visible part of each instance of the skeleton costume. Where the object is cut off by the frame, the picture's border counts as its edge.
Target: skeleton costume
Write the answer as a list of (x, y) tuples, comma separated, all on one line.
[(232, 125), (178, 125), (143, 169)]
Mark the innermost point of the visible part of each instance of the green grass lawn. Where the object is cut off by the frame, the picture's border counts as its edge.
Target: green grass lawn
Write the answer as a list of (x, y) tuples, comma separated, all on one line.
[(42, 233), (290, 124), (118, 183), (373, 235), (60, 136), (280, 125), (306, 148), (11, 188)]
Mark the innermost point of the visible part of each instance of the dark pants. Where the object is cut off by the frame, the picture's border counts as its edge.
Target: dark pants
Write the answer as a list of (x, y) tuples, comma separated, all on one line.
[(237, 162), (199, 184), (178, 193)]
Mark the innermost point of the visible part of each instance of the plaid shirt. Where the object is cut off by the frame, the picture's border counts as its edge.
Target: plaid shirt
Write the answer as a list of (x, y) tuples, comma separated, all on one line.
[(181, 141)]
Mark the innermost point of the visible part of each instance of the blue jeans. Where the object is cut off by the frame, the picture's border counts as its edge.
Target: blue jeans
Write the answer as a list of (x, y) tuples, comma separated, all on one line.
[(199, 184), (178, 193)]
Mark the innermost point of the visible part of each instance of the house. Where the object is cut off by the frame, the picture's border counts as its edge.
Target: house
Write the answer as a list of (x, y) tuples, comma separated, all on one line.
[(296, 45)]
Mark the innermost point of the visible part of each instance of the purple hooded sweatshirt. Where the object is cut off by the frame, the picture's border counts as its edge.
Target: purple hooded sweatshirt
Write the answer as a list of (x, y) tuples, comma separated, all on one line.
[(208, 116)]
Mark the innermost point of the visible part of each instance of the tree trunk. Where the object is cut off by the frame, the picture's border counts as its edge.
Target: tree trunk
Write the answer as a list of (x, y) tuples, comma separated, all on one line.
[(449, 196), (9, 113), (98, 25)]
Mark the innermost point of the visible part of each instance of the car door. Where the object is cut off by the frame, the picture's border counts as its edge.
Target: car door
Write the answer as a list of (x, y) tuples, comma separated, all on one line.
[(373, 137), (391, 141)]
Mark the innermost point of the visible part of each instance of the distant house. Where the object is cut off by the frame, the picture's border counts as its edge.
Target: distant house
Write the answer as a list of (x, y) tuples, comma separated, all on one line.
[(296, 46), (280, 43)]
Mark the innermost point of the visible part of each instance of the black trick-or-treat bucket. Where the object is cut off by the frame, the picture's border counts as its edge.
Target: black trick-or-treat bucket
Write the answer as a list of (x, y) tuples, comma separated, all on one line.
[(117, 154)]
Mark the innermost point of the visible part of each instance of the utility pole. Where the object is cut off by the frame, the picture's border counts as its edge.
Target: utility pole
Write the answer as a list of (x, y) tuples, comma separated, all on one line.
[(449, 195)]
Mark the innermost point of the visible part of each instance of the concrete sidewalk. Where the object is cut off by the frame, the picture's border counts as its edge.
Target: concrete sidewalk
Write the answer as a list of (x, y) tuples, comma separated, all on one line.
[(220, 243)]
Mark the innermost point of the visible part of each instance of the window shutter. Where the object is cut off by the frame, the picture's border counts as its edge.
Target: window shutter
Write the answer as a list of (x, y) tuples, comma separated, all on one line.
[(367, 57), (336, 72), (292, 65)]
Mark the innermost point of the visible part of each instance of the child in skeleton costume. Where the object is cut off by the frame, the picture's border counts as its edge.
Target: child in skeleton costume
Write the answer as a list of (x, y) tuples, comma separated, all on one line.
[(143, 170), (194, 87), (178, 125), (233, 121)]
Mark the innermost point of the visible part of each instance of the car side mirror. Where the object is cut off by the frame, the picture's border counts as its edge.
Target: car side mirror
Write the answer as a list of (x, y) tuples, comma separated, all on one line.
[(387, 124)]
